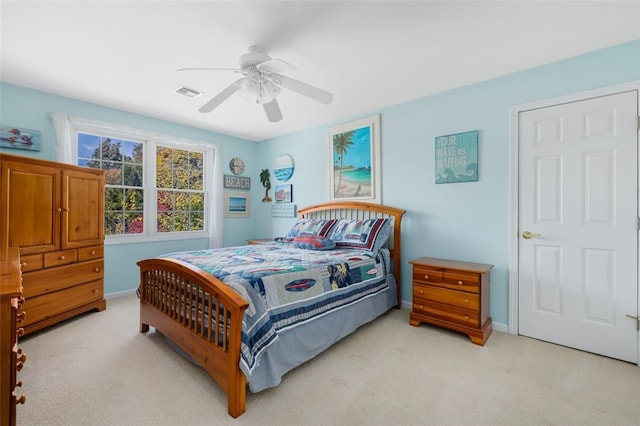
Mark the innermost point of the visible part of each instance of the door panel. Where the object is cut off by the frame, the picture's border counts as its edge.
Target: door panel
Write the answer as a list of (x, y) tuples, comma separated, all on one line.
[(578, 197), (31, 196)]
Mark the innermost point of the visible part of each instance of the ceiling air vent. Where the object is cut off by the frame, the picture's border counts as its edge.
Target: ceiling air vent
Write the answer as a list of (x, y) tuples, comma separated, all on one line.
[(185, 91)]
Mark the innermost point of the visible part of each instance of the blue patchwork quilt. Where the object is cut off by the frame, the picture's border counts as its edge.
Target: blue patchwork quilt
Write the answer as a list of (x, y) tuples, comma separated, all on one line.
[(286, 286)]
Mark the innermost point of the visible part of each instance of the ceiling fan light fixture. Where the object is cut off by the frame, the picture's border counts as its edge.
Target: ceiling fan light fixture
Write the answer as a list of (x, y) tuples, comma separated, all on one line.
[(256, 88)]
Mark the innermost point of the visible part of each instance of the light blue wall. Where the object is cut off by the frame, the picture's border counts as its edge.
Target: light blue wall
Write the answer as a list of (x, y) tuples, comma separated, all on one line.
[(462, 221), (30, 109)]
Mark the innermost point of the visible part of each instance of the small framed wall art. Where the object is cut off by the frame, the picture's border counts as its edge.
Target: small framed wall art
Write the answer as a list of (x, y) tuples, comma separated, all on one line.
[(19, 138), (456, 157), (237, 204), (284, 193)]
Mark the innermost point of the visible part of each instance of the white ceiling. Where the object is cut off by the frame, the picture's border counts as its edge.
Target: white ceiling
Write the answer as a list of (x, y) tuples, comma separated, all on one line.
[(370, 55)]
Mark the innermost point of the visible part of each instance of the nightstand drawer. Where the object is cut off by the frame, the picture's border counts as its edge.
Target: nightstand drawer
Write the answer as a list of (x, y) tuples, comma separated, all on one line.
[(427, 275), (447, 312), (449, 297), (462, 281)]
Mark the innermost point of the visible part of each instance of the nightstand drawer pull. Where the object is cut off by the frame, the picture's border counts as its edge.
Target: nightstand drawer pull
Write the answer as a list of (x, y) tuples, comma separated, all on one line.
[(466, 301), (426, 277), (460, 282), (466, 317)]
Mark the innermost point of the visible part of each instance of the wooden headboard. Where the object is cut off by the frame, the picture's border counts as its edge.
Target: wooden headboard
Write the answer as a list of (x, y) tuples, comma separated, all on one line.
[(363, 211)]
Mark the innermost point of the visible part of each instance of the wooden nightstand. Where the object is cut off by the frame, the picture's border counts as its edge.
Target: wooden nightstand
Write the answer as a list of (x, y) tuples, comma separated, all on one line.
[(452, 294), (260, 241)]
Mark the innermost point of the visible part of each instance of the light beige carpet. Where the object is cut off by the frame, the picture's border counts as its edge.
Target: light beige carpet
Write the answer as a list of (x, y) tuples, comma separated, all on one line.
[(97, 369)]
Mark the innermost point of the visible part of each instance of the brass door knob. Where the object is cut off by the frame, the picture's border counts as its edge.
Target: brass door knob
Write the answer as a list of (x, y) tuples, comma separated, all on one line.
[(528, 235)]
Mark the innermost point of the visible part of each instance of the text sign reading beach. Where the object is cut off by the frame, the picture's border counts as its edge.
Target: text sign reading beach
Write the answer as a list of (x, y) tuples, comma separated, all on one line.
[(457, 157)]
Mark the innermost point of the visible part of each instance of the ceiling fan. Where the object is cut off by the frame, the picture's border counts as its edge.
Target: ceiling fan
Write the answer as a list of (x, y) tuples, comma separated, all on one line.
[(261, 83)]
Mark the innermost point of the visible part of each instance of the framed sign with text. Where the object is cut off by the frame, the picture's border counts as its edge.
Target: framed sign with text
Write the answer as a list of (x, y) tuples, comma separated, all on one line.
[(457, 157), (237, 182)]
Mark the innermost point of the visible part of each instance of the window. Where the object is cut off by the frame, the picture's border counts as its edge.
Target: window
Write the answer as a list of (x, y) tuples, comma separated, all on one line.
[(180, 190), (152, 188), (122, 162)]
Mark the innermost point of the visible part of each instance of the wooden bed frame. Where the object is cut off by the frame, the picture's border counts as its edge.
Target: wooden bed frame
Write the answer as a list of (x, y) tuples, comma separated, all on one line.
[(176, 299)]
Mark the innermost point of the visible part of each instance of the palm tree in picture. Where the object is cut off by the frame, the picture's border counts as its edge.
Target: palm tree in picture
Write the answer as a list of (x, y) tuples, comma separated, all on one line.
[(266, 182), (341, 143)]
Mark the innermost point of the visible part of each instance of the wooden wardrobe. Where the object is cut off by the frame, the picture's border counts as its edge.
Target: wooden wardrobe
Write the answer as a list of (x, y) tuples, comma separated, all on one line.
[(54, 213)]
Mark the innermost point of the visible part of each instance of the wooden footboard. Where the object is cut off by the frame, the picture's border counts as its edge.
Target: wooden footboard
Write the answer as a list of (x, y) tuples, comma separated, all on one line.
[(201, 315)]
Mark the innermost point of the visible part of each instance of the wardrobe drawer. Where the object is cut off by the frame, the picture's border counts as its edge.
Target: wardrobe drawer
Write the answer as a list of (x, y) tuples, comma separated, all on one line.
[(54, 279), (48, 305), (31, 262), (59, 258), (88, 253)]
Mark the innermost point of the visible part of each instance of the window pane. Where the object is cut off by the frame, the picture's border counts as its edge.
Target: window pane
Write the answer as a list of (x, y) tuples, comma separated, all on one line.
[(114, 198), (196, 180), (88, 146), (133, 152), (132, 175), (113, 222), (134, 223), (113, 173), (181, 179), (165, 222), (196, 221), (111, 149)]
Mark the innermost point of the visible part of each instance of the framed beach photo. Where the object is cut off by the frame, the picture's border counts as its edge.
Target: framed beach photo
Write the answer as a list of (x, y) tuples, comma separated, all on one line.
[(237, 204), (355, 160)]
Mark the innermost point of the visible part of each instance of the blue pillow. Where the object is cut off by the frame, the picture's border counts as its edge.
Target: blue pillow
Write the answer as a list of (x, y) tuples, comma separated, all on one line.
[(366, 234), (313, 242), (305, 227)]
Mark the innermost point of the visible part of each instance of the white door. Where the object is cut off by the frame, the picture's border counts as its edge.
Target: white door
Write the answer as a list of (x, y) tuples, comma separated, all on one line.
[(578, 225)]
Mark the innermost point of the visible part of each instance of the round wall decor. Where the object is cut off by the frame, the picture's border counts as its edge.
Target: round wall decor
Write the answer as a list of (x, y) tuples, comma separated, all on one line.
[(236, 165), (283, 167)]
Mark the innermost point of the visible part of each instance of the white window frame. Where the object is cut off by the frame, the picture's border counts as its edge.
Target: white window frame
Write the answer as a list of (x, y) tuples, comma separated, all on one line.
[(69, 151)]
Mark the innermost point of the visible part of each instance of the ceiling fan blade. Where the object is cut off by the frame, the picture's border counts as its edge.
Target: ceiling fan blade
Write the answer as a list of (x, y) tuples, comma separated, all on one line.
[(303, 89), (208, 69), (222, 96), (276, 65), (273, 111)]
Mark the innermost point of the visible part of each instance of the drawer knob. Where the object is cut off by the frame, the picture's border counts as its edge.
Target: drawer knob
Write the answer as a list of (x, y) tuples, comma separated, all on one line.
[(426, 277), (460, 282), (97, 269), (421, 306), (421, 291), (61, 257), (466, 317), (93, 252), (466, 300), (21, 400), (23, 264)]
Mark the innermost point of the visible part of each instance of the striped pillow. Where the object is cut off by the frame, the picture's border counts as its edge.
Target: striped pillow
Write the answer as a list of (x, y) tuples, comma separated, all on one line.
[(368, 234)]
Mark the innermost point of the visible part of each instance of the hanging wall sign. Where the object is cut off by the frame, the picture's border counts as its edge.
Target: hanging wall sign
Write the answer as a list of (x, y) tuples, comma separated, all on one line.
[(457, 157), (237, 182)]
